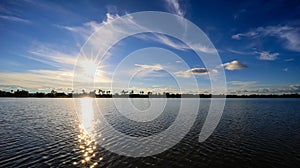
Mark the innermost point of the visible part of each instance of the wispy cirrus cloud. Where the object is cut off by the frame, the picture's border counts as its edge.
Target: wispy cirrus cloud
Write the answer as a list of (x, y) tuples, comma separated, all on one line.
[(264, 55), (15, 19), (155, 67), (52, 57), (180, 46), (87, 28), (242, 84), (62, 60), (289, 59), (290, 35), (147, 70), (163, 39), (241, 35), (37, 79), (268, 56), (174, 7), (241, 52), (234, 65)]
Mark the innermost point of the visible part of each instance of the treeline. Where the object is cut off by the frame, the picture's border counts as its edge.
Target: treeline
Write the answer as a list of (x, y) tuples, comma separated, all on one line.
[(25, 93), (107, 94)]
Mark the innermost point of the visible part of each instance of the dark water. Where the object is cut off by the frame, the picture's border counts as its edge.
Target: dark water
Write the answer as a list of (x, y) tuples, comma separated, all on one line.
[(47, 133)]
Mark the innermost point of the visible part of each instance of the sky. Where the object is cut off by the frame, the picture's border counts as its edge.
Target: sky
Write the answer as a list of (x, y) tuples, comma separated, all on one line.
[(258, 43)]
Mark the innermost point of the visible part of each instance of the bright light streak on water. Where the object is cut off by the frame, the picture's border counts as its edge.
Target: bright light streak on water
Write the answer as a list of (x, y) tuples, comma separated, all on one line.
[(87, 115), (87, 142)]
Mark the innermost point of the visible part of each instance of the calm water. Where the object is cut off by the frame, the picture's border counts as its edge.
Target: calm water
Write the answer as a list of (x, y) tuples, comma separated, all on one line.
[(49, 133)]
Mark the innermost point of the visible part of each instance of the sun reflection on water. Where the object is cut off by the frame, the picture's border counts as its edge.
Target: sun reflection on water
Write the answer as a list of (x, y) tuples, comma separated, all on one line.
[(87, 114), (86, 138)]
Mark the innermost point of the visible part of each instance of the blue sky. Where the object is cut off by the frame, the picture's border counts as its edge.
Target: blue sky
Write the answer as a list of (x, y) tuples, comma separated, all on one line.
[(258, 42)]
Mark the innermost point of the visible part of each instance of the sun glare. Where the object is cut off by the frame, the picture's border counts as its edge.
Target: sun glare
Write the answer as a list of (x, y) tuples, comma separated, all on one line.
[(87, 142), (87, 114), (89, 67)]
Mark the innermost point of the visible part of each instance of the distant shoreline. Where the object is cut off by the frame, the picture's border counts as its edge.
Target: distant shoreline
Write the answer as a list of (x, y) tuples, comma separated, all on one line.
[(54, 94), (159, 97)]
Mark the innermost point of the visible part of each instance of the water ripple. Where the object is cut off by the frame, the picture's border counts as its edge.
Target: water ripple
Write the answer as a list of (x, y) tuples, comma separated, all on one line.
[(252, 133)]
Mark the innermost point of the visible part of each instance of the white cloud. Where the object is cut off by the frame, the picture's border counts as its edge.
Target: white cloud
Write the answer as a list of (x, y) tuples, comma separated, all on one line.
[(64, 62), (289, 89), (154, 90), (234, 65), (183, 74), (248, 34), (46, 55), (195, 71), (240, 52), (266, 55), (15, 19), (242, 83), (175, 7), (236, 36), (176, 44), (143, 70), (37, 79), (85, 30), (288, 60), (155, 67), (285, 69), (89, 27), (167, 41), (244, 87), (290, 35)]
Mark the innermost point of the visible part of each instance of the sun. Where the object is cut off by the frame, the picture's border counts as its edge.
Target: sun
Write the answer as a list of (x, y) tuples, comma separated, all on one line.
[(89, 67)]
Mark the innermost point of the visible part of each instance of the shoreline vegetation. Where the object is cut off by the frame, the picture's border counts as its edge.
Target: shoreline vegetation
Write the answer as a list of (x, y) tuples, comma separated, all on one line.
[(126, 94)]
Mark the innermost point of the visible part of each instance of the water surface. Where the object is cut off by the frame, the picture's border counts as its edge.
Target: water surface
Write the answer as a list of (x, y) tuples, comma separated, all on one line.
[(52, 133)]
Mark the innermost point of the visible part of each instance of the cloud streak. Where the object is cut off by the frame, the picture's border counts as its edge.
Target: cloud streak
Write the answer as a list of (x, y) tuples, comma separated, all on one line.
[(143, 70), (14, 19), (155, 67), (174, 7), (242, 84), (87, 28), (46, 55), (288, 34), (176, 44), (266, 55)]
